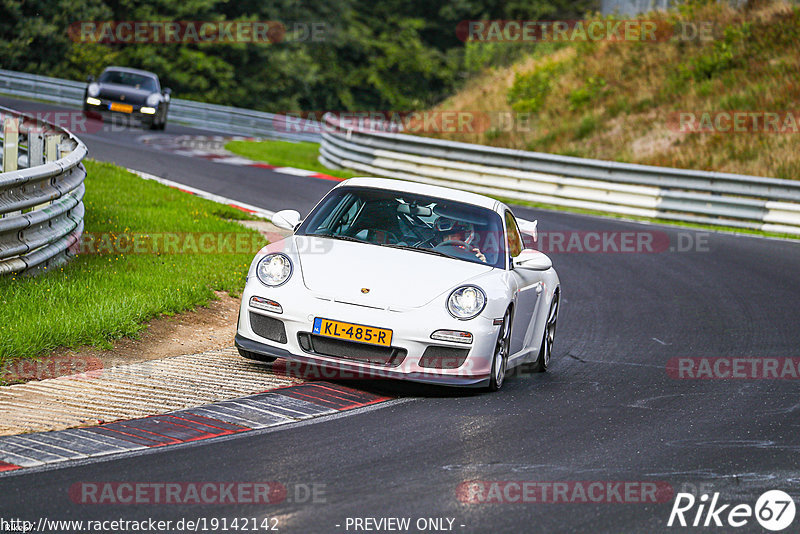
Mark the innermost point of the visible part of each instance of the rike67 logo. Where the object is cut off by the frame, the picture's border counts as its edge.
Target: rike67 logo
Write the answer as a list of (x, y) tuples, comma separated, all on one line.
[(774, 510)]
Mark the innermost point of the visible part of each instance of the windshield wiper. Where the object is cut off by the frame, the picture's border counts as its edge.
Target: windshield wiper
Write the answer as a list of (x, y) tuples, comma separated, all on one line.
[(423, 250), (342, 237)]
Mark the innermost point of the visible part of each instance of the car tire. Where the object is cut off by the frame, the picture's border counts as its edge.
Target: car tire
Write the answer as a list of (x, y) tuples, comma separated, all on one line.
[(500, 357), (546, 350), (255, 356)]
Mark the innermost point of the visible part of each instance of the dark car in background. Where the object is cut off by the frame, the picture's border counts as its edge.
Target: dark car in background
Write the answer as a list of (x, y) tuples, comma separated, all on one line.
[(134, 93)]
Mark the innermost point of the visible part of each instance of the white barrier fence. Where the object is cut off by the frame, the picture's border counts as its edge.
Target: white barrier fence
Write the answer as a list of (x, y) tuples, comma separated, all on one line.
[(732, 200)]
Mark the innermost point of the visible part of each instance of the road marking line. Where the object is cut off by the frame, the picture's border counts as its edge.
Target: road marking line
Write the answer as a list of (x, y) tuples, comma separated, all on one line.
[(84, 434), (255, 210), (294, 172)]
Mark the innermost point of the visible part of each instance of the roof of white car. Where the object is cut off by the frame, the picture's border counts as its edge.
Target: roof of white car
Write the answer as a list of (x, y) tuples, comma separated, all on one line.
[(423, 189)]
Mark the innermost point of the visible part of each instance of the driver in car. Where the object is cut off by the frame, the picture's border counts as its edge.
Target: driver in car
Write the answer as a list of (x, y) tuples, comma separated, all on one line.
[(460, 234)]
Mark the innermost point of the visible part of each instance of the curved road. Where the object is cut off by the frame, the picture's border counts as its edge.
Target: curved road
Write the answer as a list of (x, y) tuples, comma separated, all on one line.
[(608, 410)]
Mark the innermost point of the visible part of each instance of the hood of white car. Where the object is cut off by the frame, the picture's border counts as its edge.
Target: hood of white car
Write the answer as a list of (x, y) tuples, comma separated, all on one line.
[(395, 278)]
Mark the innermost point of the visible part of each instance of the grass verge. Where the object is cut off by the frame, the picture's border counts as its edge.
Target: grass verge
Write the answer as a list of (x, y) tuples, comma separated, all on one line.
[(108, 294), (286, 154)]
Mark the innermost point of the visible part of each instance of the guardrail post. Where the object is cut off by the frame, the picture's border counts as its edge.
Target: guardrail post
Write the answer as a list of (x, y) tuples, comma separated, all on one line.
[(10, 149), (52, 152), (35, 149), (63, 149), (36, 155), (51, 147), (10, 144)]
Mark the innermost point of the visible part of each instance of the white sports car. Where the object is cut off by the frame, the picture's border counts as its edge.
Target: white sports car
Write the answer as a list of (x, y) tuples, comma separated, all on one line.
[(395, 279)]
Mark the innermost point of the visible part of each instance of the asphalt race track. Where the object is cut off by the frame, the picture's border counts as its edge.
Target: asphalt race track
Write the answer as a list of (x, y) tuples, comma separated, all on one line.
[(120, 145), (608, 411)]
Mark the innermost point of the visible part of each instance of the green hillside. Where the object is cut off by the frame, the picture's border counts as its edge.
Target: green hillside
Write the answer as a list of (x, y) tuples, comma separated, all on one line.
[(727, 102)]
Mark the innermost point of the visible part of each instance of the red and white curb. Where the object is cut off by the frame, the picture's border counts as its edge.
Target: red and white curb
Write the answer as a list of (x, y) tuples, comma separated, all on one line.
[(211, 148), (264, 410), (247, 208)]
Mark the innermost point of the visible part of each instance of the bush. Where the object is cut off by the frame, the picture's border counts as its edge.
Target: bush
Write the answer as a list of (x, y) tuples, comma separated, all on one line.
[(530, 90), (591, 90)]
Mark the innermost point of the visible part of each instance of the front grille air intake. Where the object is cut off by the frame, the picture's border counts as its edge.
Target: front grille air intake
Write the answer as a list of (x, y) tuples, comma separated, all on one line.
[(348, 350), (268, 327), (443, 357)]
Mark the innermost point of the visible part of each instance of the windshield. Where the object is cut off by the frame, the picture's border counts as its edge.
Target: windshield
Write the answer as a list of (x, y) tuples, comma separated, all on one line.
[(403, 220), (130, 79)]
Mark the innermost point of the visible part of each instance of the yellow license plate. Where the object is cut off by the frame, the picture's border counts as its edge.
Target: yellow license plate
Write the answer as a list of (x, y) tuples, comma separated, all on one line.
[(353, 332), (125, 108)]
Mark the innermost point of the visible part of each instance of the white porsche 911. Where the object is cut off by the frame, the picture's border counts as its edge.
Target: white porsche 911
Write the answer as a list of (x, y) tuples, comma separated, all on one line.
[(394, 279)]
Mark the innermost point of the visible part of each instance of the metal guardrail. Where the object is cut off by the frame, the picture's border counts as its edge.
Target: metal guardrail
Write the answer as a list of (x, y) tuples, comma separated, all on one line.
[(230, 120), (733, 200), (41, 193), (246, 122)]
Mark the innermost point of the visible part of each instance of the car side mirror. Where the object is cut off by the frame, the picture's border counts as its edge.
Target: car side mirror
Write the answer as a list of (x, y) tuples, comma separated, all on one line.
[(533, 259), (529, 228), (286, 219), (90, 78)]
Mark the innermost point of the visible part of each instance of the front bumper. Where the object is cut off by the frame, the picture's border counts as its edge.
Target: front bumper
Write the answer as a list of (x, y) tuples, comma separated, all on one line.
[(344, 370), (411, 335), (102, 111)]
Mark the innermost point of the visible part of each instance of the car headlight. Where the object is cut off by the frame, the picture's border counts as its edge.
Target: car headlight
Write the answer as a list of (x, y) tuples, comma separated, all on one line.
[(274, 269), (93, 89), (153, 100), (466, 302)]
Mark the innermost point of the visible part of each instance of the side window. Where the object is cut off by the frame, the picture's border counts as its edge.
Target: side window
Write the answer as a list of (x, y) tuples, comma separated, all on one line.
[(346, 221), (341, 214), (513, 235)]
